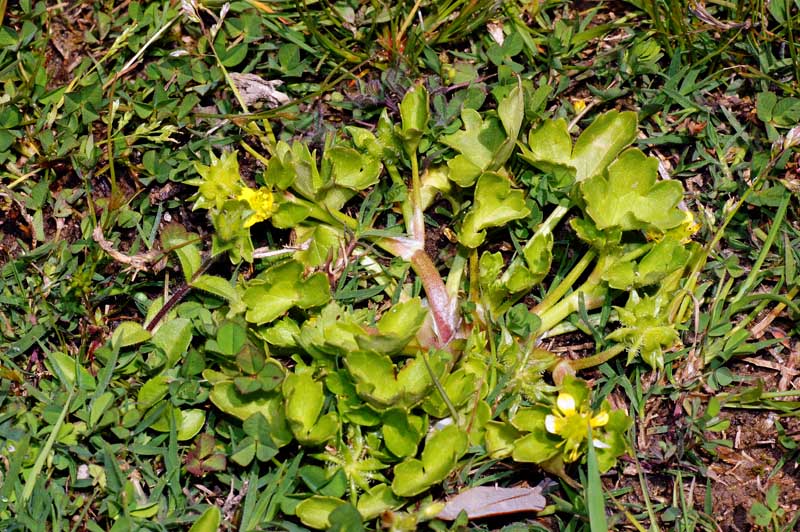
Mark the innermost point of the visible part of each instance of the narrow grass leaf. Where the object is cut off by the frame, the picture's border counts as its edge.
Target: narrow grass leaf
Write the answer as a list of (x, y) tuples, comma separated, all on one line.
[(595, 501)]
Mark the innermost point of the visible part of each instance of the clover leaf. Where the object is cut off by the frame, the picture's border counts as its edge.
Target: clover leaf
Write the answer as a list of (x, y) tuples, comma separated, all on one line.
[(496, 204)]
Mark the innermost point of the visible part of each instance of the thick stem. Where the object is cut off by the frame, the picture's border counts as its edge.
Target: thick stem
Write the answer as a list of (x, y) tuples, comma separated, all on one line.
[(417, 228), (443, 308), (593, 293), (456, 274), (566, 284)]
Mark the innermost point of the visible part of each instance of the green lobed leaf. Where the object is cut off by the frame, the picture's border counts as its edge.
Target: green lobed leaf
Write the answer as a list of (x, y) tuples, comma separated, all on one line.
[(402, 432), (395, 329), (629, 197), (500, 438), (477, 144), (442, 452), (322, 244), (602, 141), (383, 385), (538, 445), (281, 288), (304, 400), (270, 405), (496, 204), (352, 169), (315, 511), (377, 500)]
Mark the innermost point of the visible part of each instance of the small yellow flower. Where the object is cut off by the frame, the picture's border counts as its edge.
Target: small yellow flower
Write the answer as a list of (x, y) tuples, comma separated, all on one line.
[(261, 203), (570, 424)]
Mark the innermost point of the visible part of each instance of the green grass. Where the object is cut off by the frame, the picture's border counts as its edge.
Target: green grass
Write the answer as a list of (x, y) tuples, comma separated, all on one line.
[(107, 110)]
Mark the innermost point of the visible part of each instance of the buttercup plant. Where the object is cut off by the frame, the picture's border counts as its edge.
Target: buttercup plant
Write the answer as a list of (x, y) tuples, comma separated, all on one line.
[(391, 395)]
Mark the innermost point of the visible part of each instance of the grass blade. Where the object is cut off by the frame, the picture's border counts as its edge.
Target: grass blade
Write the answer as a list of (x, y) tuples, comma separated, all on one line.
[(595, 500)]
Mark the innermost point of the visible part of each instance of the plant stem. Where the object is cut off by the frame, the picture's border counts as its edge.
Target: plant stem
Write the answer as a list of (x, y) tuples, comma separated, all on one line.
[(417, 229), (598, 358), (566, 284), (179, 294), (551, 222), (594, 295), (442, 306)]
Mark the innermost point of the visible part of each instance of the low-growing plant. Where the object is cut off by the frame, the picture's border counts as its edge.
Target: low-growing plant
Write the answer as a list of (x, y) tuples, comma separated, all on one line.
[(386, 380)]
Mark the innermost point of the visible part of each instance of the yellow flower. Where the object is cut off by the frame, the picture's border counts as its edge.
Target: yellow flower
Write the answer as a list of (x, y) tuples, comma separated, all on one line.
[(261, 203), (573, 425)]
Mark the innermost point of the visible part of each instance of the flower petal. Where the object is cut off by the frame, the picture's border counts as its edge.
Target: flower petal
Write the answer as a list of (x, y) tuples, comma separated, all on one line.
[(599, 420), (566, 403), (550, 423)]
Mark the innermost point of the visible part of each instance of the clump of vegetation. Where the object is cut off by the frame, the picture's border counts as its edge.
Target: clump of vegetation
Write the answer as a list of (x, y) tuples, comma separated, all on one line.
[(255, 276)]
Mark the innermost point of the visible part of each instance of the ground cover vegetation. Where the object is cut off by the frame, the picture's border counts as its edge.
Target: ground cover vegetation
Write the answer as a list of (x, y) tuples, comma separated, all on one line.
[(460, 265)]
